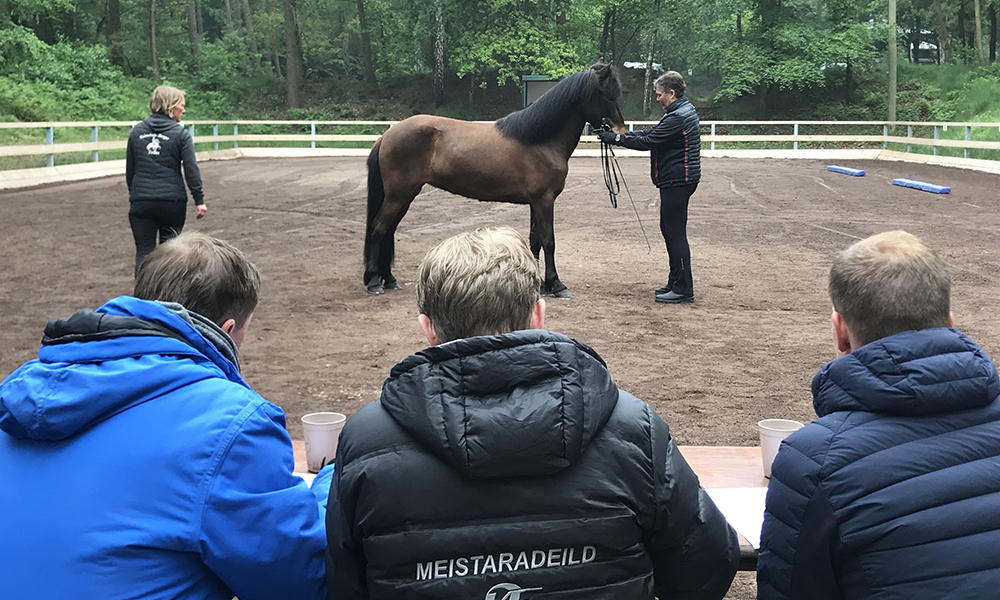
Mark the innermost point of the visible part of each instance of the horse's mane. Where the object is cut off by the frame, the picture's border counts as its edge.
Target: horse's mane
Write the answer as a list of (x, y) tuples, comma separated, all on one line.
[(542, 119)]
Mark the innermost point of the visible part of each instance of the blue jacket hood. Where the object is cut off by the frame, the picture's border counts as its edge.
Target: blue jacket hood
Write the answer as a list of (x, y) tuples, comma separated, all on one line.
[(912, 373), (76, 384)]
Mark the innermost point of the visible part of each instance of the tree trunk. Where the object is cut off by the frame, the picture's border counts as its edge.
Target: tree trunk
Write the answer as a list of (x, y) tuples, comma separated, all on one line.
[(229, 15), (366, 44), (647, 98), (980, 54), (993, 33), (960, 34), (276, 61), (198, 18), (762, 100), (940, 13), (114, 33), (193, 36), (251, 40), (293, 55), (739, 26), (438, 54), (604, 34), (561, 7), (152, 41), (4, 12), (848, 76)]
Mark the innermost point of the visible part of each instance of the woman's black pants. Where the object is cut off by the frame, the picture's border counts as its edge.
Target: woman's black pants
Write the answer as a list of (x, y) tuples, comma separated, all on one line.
[(673, 226), (151, 217)]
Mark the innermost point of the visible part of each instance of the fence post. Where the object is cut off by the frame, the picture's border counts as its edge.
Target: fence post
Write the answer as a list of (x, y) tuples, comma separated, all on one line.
[(50, 159), (215, 132), (909, 134), (313, 126), (93, 138), (795, 131), (937, 136), (885, 134), (713, 135), (236, 131), (968, 137)]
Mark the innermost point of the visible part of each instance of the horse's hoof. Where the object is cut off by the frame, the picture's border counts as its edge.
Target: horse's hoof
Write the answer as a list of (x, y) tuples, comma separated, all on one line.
[(392, 285), (376, 289), (563, 294)]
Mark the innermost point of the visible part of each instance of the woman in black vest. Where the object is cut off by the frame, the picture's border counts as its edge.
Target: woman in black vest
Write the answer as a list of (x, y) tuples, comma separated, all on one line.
[(675, 167), (157, 148)]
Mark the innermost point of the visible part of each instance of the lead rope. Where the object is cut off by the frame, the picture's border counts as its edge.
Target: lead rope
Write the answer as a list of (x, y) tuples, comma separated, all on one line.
[(612, 170)]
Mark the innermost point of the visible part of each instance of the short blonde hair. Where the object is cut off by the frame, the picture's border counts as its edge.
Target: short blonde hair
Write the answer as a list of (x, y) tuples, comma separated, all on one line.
[(484, 282), (164, 99), (890, 283)]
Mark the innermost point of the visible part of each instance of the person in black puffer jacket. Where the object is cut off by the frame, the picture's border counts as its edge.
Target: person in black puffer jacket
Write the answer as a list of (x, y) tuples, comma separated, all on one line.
[(893, 493), (157, 148), (675, 168), (504, 462)]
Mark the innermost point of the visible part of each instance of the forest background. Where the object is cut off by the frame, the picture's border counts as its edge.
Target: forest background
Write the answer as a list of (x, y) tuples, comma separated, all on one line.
[(388, 59)]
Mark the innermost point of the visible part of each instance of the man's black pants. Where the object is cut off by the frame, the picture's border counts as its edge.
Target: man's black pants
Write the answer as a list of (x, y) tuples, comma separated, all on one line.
[(151, 217), (673, 226)]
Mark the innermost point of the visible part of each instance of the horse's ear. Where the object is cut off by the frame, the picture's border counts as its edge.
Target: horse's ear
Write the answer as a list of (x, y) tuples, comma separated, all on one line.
[(603, 70)]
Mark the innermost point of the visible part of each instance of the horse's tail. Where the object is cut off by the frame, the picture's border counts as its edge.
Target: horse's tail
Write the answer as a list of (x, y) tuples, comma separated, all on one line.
[(376, 192)]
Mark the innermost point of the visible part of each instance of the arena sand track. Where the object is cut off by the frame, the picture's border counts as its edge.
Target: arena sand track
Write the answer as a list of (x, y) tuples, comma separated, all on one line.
[(762, 232)]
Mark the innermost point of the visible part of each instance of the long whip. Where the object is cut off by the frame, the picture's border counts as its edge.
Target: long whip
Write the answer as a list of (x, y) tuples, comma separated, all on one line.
[(612, 170)]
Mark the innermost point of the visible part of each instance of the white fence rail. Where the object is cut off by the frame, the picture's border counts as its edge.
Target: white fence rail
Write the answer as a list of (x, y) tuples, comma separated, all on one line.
[(714, 133)]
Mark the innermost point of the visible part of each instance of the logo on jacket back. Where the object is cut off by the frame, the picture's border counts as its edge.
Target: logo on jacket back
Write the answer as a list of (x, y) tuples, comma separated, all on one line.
[(153, 147), (513, 592)]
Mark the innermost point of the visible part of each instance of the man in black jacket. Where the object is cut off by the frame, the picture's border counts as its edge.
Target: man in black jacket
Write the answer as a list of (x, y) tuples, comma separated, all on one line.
[(503, 462), (675, 167)]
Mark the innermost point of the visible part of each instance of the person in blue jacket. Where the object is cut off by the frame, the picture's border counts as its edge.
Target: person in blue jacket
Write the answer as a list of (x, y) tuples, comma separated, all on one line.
[(675, 168), (894, 491), (136, 462)]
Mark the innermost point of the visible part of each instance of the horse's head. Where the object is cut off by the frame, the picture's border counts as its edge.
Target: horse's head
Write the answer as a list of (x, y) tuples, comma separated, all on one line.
[(603, 105)]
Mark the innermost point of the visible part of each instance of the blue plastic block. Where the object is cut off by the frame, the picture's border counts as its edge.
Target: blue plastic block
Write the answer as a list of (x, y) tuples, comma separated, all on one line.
[(846, 170), (922, 185)]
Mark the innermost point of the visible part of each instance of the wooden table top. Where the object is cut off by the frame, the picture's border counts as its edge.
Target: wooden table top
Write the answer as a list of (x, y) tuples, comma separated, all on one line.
[(716, 466)]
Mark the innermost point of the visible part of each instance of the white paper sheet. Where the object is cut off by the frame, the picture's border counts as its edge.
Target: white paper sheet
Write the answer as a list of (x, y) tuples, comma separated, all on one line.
[(743, 508)]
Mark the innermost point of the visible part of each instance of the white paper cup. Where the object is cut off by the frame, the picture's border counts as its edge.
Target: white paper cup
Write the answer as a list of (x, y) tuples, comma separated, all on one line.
[(322, 432), (772, 431)]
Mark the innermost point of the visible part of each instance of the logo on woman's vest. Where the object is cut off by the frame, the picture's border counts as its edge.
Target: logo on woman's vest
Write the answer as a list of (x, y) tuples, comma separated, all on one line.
[(513, 591)]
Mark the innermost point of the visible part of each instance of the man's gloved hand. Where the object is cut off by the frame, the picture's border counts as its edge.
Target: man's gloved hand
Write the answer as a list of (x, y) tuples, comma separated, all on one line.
[(608, 137)]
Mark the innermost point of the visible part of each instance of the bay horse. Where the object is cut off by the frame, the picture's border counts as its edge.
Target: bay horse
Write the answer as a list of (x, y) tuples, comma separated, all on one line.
[(522, 158)]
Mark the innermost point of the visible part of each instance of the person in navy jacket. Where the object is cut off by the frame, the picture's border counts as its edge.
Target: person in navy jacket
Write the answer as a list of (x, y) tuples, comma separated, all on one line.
[(135, 461), (675, 168), (894, 491)]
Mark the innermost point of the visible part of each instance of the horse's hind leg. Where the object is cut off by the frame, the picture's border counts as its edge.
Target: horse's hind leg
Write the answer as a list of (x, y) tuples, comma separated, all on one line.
[(544, 232), (387, 251), (381, 237)]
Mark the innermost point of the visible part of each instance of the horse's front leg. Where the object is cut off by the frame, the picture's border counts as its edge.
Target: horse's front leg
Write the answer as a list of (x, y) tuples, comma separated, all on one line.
[(544, 233)]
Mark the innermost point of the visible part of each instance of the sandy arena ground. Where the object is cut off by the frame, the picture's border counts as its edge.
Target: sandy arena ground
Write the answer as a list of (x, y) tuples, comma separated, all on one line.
[(762, 234)]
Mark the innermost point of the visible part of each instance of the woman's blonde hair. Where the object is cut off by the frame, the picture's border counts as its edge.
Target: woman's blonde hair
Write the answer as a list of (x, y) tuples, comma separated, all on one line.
[(164, 99)]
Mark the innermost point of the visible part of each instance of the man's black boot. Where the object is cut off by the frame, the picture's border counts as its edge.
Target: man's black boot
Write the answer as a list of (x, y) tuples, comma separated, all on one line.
[(674, 298)]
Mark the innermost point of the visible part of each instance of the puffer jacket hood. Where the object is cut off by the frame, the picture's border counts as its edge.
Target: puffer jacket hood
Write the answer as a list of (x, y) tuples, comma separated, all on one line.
[(67, 388), (913, 373), (491, 409)]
